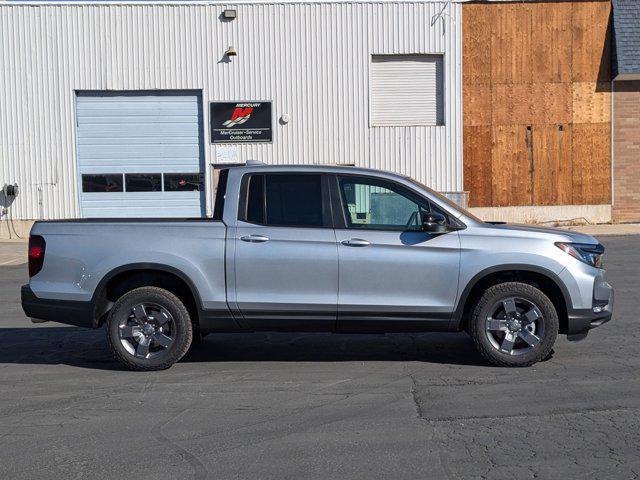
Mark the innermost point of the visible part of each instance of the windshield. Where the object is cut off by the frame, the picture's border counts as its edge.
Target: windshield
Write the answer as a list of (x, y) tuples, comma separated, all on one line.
[(445, 200)]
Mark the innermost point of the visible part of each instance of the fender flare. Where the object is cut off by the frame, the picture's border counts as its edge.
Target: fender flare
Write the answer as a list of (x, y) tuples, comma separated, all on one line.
[(464, 296), (97, 296)]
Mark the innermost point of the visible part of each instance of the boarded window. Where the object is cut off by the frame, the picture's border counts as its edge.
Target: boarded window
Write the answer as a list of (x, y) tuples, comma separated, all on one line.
[(407, 90)]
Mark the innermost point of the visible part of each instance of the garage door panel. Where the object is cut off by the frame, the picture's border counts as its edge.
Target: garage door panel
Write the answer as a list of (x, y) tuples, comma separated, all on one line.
[(149, 204), (139, 139), (124, 133), (151, 168), (137, 110), (134, 151), (134, 98), (151, 104), (158, 130), (121, 118), (155, 104)]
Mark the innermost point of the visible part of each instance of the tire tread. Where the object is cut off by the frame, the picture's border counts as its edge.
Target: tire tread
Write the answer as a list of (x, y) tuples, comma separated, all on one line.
[(125, 359), (488, 352)]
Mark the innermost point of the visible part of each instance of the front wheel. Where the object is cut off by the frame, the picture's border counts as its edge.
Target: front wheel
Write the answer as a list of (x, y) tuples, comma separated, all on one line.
[(149, 328), (514, 325)]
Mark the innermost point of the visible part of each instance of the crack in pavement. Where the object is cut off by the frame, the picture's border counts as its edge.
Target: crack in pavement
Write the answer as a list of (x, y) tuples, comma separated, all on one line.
[(582, 412), (199, 469)]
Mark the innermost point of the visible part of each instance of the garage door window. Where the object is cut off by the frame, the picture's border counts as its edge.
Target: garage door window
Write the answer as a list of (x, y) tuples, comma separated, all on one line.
[(102, 183), (143, 182), (407, 90), (182, 182)]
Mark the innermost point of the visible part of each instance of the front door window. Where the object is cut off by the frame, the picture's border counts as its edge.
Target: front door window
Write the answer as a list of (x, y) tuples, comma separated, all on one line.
[(381, 205)]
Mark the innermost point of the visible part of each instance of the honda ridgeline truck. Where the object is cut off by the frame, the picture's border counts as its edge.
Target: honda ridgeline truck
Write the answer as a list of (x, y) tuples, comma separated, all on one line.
[(322, 249)]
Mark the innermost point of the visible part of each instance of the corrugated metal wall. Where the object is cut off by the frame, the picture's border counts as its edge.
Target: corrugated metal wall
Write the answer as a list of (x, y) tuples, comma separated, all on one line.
[(311, 59)]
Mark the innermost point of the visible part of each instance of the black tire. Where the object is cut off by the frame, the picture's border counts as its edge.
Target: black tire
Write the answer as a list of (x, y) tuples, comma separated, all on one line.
[(181, 330), (487, 343)]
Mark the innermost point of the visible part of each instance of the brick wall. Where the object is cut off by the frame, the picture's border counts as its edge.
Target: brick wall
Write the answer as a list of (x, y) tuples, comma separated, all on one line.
[(626, 147)]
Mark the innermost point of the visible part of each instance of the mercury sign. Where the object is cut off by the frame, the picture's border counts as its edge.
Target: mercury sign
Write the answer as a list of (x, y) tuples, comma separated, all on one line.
[(240, 122)]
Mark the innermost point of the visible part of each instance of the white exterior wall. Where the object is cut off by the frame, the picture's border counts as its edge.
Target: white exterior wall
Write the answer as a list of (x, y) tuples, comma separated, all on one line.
[(310, 59)]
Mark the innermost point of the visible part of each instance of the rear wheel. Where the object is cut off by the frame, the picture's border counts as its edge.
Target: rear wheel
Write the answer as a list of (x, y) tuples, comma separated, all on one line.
[(149, 328), (514, 325)]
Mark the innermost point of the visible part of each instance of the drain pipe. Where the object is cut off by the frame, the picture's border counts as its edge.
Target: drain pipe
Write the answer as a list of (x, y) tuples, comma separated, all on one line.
[(613, 185)]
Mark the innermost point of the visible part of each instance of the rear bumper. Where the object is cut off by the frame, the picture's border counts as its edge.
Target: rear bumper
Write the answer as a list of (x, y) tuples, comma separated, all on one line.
[(70, 312)]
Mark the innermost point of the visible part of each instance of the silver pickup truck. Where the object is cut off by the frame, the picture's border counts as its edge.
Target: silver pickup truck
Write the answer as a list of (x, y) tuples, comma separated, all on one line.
[(317, 248)]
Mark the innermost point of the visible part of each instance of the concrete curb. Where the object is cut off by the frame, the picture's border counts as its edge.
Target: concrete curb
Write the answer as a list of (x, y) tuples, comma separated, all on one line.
[(608, 229)]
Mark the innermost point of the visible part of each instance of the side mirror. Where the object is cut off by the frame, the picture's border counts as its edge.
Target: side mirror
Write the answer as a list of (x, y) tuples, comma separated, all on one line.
[(434, 223)]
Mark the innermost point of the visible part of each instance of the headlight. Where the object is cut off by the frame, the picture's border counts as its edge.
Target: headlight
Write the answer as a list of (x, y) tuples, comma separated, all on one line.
[(585, 252)]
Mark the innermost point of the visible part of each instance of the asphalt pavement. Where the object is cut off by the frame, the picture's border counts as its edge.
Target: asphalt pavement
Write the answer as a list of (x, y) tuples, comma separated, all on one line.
[(322, 406)]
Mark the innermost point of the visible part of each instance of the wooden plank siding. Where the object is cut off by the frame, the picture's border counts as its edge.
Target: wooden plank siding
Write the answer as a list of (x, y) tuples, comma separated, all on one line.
[(536, 103), (591, 163), (510, 165), (551, 60), (477, 163), (553, 167)]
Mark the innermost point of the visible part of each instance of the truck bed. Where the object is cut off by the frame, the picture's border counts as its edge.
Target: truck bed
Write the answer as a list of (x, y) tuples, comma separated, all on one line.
[(82, 252)]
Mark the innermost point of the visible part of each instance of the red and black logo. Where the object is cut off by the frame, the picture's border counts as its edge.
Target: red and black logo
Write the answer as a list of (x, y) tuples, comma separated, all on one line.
[(240, 115)]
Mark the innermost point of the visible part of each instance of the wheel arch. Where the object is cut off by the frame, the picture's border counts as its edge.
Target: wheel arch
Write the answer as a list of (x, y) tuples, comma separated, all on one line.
[(544, 279), (128, 277)]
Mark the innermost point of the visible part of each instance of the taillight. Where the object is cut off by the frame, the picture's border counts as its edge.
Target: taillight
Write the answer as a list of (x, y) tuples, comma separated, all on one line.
[(36, 254)]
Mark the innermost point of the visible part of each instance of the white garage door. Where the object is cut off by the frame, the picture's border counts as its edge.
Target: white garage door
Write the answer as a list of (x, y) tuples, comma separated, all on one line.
[(140, 154), (407, 90)]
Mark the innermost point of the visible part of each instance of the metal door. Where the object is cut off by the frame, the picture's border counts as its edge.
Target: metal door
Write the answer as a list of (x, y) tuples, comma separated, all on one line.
[(140, 154), (286, 276), (392, 275)]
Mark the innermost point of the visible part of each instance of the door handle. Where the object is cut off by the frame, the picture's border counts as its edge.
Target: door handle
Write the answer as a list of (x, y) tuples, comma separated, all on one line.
[(356, 242), (254, 238)]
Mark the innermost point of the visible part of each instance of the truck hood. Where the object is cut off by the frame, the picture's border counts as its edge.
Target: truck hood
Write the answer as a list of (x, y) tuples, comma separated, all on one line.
[(559, 233)]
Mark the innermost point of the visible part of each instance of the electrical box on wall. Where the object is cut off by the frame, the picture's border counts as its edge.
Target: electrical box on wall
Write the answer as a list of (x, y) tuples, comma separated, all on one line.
[(10, 190)]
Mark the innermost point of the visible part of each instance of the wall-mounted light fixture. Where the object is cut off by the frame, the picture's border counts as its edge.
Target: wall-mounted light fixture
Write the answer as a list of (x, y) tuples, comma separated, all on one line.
[(231, 52), (229, 14)]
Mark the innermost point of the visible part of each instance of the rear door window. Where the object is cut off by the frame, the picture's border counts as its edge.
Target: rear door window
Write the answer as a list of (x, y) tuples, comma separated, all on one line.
[(255, 205), (286, 200)]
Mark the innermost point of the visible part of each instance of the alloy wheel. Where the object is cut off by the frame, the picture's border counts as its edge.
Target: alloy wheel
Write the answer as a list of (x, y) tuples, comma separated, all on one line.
[(148, 331), (515, 326)]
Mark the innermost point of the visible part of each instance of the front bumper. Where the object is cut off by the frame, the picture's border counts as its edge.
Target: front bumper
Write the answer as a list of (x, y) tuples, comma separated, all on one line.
[(580, 321), (70, 312)]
